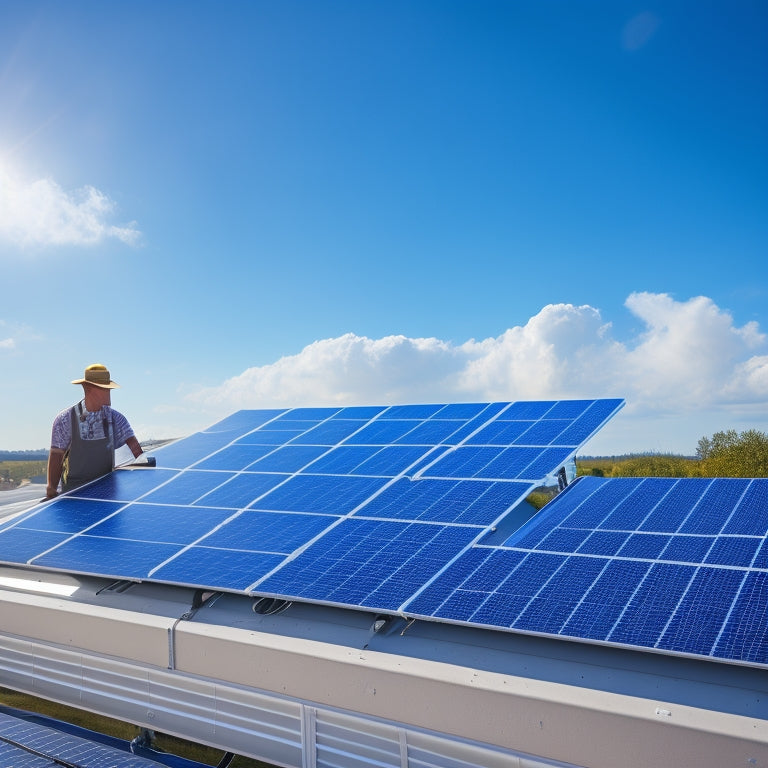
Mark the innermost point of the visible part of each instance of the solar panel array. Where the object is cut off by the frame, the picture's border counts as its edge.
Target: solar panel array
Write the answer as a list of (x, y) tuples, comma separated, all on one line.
[(25, 744), (678, 565), (389, 509), (353, 506)]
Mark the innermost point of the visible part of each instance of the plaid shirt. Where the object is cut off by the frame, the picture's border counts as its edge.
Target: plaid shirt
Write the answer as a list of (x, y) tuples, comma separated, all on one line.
[(92, 428)]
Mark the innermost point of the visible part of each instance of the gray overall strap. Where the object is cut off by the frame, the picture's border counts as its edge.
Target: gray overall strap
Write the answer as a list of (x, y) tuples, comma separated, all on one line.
[(87, 459)]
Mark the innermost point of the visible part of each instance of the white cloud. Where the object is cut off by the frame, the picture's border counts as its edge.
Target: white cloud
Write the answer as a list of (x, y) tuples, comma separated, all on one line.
[(7, 343), (42, 213), (348, 369), (692, 355), (689, 370)]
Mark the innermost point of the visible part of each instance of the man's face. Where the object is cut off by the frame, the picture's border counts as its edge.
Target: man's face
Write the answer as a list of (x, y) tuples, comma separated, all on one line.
[(99, 395)]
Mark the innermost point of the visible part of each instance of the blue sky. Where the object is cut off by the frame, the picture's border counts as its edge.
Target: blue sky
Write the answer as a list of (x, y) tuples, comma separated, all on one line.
[(259, 204)]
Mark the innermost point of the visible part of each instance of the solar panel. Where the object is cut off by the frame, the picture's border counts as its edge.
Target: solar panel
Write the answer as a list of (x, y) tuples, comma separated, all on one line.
[(674, 565), (25, 744), (265, 498)]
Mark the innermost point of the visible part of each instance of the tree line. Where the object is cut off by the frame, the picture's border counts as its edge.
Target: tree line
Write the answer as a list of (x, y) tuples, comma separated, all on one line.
[(725, 454), (39, 455)]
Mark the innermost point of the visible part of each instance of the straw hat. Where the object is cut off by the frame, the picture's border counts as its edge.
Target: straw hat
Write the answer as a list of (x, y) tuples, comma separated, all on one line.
[(97, 375)]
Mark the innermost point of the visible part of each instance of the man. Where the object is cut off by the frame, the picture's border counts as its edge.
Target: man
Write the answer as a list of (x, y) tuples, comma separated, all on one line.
[(85, 436)]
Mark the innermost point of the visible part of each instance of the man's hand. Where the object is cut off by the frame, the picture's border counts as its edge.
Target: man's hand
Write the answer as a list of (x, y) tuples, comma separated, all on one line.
[(133, 444)]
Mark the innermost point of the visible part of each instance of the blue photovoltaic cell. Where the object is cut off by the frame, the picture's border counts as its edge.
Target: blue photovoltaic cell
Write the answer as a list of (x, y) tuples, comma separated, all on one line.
[(269, 436), (582, 428), (644, 546), (274, 532), (645, 493), (150, 522), (605, 543), (761, 558), (500, 433), (364, 412), (748, 517), (382, 432), (498, 463), (467, 411), (593, 509), (328, 433), (541, 465), (553, 604), (706, 516), (235, 570), (543, 432), (241, 491), (745, 634), (430, 433), (652, 604), (314, 415), (369, 563), (418, 412), (186, 452), (529, 410), (705, 606), (733, 550), (471, 502), (569, 409), (21, 545), (473, 425), (67, 515), (288, 424), (234, 457), (686, 549), (288, 459), (562, 540), (518, 589), (598, 613), (673, 508), (123, 558), (509, 464), (387, 461), (343, 460), (390, 461), (321, 493), (124, 485), (187, 487), (590, 566)]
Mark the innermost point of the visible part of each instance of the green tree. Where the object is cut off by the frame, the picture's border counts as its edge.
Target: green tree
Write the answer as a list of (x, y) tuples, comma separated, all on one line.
[(732, 454)]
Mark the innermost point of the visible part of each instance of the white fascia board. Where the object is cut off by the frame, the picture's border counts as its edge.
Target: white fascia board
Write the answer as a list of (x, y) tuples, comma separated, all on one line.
[(140, 637), (448, 698)]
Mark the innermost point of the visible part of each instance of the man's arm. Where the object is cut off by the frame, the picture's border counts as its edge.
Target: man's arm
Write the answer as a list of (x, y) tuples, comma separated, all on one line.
[(133, 444), (55, 466)]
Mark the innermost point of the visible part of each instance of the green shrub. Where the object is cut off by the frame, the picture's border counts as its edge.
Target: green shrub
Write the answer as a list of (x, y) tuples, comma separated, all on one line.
[(732, 454)]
